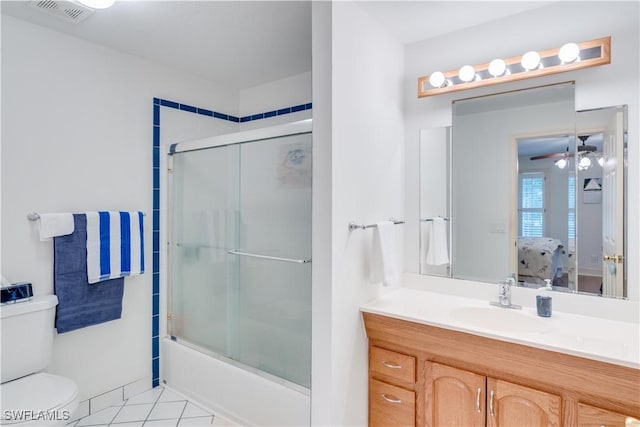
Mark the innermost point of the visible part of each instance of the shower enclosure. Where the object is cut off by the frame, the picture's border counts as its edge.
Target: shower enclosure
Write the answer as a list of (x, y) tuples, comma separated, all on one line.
[(240, 261)]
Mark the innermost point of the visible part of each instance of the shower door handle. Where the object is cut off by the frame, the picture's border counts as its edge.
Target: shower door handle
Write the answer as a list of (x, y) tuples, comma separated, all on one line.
[(273, 258)]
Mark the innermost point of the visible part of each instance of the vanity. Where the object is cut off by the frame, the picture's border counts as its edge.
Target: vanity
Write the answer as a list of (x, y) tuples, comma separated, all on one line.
[(444, 360)]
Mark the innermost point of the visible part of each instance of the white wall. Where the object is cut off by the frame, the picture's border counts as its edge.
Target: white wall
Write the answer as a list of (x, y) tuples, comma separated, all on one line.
[(287, 92), (321, 219), (367, 180), (613, 84), (77, 136)]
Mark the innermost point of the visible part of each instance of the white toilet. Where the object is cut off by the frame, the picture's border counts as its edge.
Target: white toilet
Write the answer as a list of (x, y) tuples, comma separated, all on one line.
[(28, 396)]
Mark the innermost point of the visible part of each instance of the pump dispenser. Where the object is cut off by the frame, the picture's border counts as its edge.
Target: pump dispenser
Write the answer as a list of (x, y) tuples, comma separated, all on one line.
[(543, 300)]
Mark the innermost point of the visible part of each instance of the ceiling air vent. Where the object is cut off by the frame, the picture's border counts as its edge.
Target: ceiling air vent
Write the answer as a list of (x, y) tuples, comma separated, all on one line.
[(67, 10)]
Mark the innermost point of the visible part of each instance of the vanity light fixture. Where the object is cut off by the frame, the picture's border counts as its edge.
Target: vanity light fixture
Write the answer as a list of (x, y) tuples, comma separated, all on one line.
[(569, 52), (466, 73), (569, 57), (437, 79), (497, 67), (530, 60)]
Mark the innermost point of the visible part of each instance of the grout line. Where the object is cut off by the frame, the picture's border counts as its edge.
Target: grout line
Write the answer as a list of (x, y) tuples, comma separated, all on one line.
[(115, 416), (186, 402), (153, 407)]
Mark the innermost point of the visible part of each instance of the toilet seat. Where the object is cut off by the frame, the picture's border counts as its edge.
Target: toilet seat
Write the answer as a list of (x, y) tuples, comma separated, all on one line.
[(40, 393)]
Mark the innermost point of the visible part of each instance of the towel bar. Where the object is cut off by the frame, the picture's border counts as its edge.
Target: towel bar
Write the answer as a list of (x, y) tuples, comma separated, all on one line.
[(34, 216), (273, 258), (354, 226), (432, 219)]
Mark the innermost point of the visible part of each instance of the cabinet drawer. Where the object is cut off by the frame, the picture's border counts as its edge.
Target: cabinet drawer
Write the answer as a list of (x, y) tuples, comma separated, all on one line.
[(392, 364), (590, 416), (390, 405)]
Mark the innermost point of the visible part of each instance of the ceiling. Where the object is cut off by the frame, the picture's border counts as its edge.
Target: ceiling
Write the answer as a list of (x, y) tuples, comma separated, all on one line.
[(239, 43), (247, 43)]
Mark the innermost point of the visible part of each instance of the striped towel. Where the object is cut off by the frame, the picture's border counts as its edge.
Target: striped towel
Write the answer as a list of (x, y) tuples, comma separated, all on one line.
[(115, 245)]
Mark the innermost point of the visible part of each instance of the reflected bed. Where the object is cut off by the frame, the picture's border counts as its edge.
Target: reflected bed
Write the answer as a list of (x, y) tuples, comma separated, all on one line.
[(540, 258)]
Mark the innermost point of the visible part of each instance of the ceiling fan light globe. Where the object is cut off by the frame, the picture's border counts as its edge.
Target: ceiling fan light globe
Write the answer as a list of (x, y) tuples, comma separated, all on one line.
[(561, 163)]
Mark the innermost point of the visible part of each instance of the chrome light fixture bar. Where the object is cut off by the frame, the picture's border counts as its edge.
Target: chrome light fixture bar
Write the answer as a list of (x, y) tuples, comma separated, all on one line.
[(569, 57)]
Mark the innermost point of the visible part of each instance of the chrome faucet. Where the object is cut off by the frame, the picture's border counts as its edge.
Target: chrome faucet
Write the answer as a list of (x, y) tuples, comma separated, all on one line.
[(504, 294)]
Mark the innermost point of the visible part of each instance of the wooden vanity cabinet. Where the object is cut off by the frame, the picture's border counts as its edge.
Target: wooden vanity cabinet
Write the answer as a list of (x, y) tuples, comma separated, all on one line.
[(432, 376), (455, 397)]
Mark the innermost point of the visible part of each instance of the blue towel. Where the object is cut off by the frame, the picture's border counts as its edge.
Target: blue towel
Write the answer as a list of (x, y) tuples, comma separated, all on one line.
[(115, 245), (81, 304)]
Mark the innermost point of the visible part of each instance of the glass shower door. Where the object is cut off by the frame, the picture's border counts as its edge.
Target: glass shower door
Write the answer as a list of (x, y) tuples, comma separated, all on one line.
[(240, 254), (203, 227)]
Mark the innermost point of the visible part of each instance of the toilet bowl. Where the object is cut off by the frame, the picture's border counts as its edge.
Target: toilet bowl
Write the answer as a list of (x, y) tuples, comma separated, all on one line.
[(28, 395), (39, 399)]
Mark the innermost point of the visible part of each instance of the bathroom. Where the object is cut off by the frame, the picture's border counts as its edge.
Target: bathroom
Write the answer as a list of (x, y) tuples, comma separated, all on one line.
[(76, 114)]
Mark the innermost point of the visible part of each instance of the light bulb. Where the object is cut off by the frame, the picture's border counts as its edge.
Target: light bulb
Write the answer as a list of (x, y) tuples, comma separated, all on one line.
[(584, 163), (562, 163), (530, 60), (466, 73), (569, 52), (497, 67), (98, 4), (436, 79)]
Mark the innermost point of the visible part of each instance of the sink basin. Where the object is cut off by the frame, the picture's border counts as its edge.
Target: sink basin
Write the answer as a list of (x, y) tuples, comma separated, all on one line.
[(500, 319)]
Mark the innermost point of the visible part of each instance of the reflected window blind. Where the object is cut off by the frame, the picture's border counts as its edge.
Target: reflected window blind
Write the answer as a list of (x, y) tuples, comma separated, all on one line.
[(572, 207), (532, 204)]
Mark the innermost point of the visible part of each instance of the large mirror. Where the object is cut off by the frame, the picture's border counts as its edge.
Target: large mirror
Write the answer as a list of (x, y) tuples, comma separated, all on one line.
[(523, 185)]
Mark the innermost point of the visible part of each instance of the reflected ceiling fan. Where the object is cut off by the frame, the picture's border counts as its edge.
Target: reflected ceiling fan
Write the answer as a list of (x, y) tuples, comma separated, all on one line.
[(584, 148)]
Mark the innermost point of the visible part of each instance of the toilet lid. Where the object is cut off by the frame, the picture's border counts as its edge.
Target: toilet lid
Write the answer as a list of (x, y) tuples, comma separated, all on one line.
[(37, 392)]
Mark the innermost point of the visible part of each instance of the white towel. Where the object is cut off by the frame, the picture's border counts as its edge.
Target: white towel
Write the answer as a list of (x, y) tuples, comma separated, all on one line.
[(55, 224), (437, 249), (115, 245), (384, 265)]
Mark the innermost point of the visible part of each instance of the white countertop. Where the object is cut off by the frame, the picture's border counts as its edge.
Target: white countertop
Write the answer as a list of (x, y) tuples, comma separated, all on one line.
[(605, 340)]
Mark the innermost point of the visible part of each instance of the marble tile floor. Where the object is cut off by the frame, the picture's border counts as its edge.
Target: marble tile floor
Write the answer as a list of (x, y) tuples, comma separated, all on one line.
[(156, 407)]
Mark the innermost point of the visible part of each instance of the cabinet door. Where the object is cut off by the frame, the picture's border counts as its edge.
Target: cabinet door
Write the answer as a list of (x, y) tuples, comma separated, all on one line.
[(590, 416), (513, 405), (454, 397)]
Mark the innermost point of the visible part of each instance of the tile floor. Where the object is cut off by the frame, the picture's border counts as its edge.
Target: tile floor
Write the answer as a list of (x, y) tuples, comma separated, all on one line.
[(155, 407)]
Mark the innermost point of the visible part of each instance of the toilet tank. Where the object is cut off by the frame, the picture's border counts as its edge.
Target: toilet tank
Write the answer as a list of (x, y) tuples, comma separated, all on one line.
[(27, 336)]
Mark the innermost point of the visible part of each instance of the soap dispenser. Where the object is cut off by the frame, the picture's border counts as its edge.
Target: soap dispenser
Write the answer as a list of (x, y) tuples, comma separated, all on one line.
[(543, 300)]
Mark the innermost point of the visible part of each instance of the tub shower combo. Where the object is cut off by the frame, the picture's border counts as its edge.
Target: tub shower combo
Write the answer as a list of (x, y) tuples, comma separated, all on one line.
[(239, 274)]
